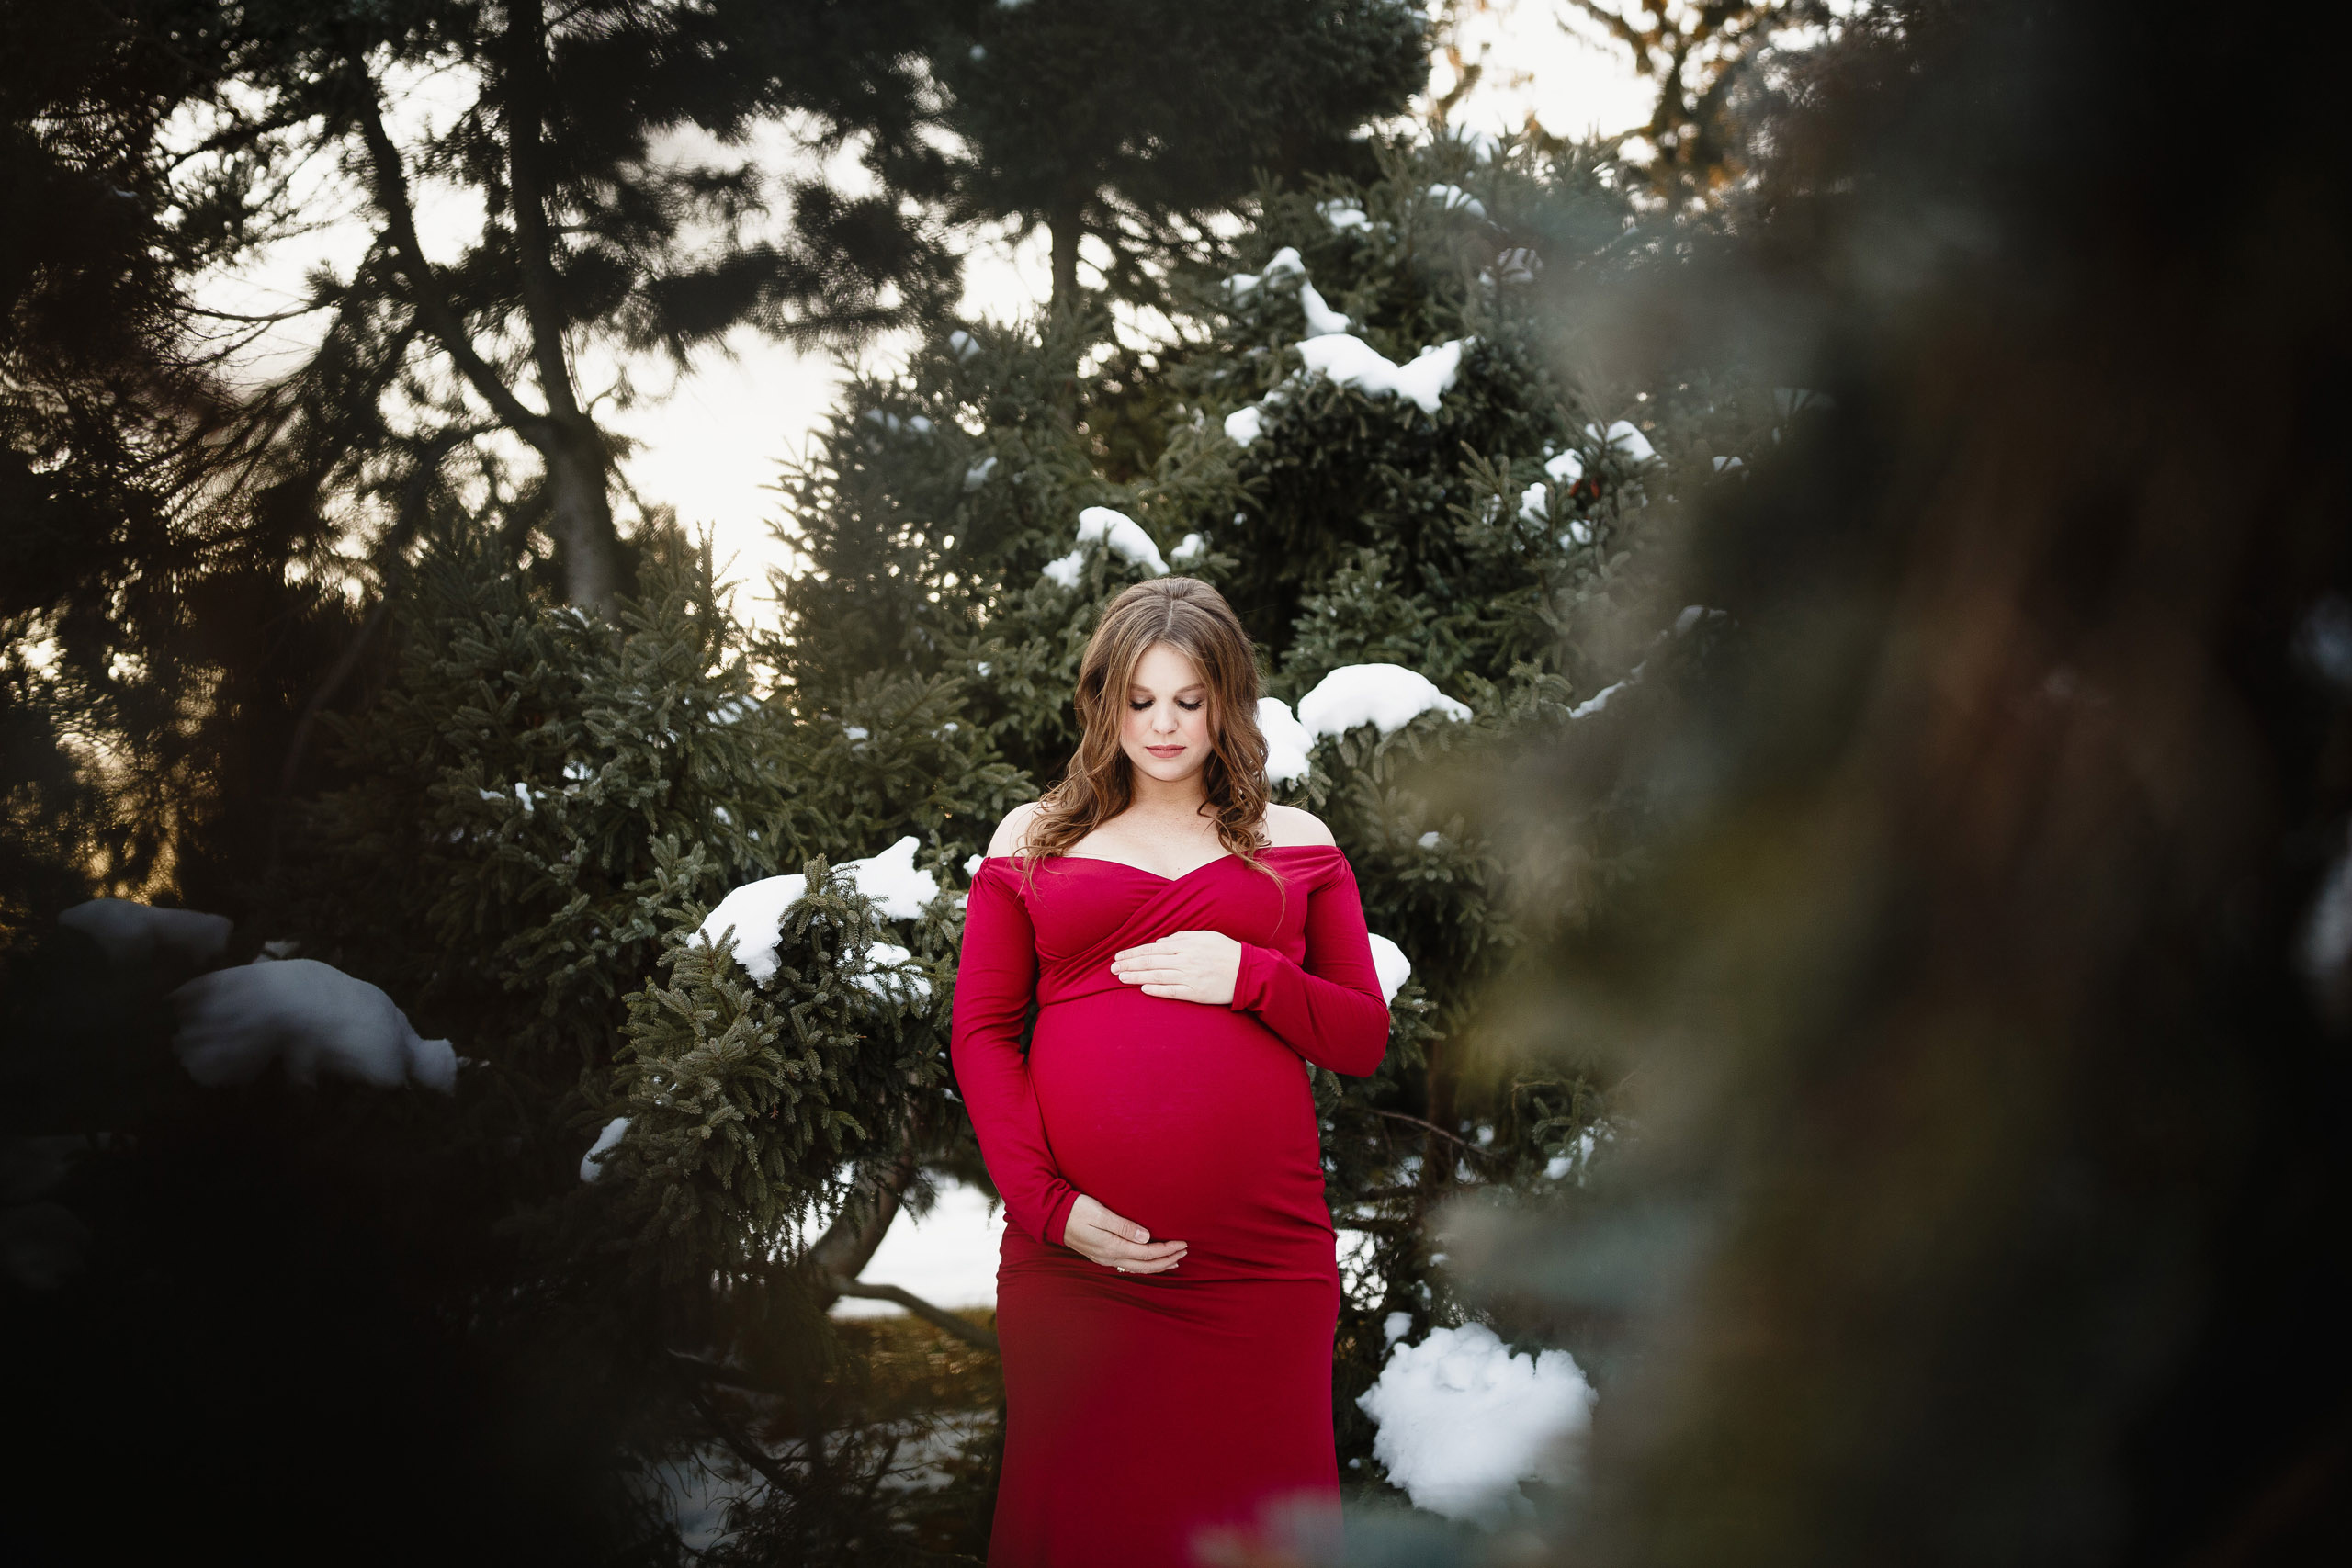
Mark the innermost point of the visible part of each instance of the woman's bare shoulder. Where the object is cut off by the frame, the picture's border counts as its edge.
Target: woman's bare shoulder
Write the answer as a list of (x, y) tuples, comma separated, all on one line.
[(1289, 828), (1013, 828)]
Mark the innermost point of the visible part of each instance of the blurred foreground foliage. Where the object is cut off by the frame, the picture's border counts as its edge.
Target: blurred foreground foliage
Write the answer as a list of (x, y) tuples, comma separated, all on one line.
[(1879, 943)]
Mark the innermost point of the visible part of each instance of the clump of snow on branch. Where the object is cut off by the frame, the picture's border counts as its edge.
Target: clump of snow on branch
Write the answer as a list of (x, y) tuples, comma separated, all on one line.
[(1116, 532), (898, 890), (310, 1017), (1286, 262), (1534, 501), (755, 910), (135, 935), (1245, 424), (752, 912), (1321, 319), (592, 1164), (1463, 1421), (1349, 361), (1287, 741), (1624, 436), (1343, 215), (1388, 697), (1389, 962), (1453, 198), (1188, 548), (887, 975)]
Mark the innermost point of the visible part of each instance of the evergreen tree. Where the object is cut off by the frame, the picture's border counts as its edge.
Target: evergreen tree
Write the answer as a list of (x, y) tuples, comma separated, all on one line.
[(1495, 543), (1135, 124)]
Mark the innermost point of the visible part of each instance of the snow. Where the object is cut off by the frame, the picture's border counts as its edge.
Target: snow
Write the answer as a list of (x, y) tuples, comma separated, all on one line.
[(1244, 425), (592, 1168), (1389, 962), (884, 976), (1286, 264), (1516, 267), (891, 881), (1188, 548), (1463, 1421), (308, 1016), (135, 935), (753, 911), (1600, 699), (2327, 930), (1626, 437), (1565, 469), (1343, 215), (1349, 361), (959, 342), (1123, 537), (1395, 1326), (948, 1258), (1287, 741), (1454, 197), (978, 474), (1388, 697), (1321, 319), (1726, 465), (1116, 532), (973, 862), (1429, 840), (2324, 640)]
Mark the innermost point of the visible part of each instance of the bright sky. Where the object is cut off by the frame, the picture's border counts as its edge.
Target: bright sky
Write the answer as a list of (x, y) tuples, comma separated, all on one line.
[(710, 440)]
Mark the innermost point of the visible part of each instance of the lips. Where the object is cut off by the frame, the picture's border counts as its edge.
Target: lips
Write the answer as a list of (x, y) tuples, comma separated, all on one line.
[(1165, 751)]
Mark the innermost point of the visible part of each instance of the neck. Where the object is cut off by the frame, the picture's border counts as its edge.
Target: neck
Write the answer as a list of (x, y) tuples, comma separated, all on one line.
[(1182, 798)]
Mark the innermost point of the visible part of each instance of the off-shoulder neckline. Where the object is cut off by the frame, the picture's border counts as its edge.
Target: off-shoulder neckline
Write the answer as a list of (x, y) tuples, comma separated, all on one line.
[(1172, 881)]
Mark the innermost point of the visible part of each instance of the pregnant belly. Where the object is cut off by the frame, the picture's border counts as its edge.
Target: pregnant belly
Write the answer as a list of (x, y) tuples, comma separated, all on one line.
[(1193, 1121)]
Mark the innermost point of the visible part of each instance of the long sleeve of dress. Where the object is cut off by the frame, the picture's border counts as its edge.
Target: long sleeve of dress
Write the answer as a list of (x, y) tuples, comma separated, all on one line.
[(1329, 1009), (994, 982)]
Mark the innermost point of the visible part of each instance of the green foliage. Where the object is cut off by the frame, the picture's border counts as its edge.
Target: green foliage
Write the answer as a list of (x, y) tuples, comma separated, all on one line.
[(1355, 528), (743, 1099), (1069, 111)]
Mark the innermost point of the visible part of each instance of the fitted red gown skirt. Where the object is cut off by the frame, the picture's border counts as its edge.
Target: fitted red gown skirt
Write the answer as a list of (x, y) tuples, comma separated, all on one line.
[(1149, 1415)]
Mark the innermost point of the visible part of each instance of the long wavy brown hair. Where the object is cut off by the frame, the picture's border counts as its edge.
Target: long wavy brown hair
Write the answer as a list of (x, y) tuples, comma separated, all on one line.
[(1193, 619)]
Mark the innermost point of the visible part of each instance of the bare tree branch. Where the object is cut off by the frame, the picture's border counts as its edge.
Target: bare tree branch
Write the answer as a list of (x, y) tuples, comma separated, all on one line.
[(432, 306), (963, 1328)]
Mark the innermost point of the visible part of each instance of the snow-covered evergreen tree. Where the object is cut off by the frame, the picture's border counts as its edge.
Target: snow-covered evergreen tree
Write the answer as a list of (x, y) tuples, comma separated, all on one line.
[(1378, 446)]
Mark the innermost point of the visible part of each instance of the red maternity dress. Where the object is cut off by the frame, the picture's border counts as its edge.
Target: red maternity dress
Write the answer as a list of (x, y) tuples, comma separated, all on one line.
[(1143, 1410)]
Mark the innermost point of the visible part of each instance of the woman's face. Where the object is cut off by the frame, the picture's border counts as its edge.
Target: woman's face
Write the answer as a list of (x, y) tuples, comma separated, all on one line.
[(1165, 732)]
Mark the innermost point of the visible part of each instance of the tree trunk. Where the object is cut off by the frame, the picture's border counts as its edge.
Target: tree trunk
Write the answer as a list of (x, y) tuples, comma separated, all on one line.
[(1067, 228), (849, 1243), (581, 514)]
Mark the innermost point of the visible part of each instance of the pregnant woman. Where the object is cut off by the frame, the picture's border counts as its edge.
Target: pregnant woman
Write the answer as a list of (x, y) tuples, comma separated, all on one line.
[(1168, 1290)]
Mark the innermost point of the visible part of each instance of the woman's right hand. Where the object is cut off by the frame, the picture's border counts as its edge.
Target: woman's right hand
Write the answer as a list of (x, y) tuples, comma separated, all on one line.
[(1094, 1233)]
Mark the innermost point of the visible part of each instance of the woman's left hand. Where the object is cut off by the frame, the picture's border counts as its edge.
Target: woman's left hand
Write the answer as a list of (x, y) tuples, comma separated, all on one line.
[(1190, 966)]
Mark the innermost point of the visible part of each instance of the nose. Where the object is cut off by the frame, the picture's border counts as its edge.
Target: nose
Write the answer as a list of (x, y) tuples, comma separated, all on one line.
[(1163, 719)]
